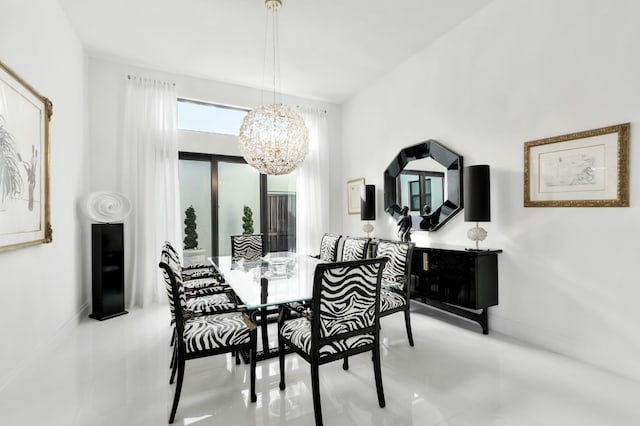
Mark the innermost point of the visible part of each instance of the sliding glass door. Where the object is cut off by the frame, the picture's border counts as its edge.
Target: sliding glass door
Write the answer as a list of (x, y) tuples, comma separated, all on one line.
[(238, 187), (195, 190), (220, 187)]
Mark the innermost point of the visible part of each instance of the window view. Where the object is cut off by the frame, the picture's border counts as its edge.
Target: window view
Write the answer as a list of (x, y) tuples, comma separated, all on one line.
[(210, 118)]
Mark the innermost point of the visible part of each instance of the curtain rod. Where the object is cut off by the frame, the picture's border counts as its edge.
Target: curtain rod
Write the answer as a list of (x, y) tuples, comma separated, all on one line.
[(129, 77), (311, 109)]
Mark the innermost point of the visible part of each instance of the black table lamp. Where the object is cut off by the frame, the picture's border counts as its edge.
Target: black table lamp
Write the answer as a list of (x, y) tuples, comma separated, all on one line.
[(477, 200), (368, 207)]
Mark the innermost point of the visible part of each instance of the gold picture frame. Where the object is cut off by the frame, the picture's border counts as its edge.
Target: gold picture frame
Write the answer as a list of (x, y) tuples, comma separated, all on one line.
[(24, 163), (354, 191), (583, 169)]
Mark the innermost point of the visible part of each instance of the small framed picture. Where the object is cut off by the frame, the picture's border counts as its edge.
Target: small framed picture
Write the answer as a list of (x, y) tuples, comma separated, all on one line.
[(354, 191), (584, 169)]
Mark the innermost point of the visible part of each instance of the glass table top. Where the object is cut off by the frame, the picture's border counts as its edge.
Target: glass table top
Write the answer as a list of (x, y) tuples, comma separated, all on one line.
[(277, 278)]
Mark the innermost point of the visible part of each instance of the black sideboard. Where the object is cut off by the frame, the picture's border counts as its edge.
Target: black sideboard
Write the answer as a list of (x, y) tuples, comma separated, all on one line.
[(456, 280)]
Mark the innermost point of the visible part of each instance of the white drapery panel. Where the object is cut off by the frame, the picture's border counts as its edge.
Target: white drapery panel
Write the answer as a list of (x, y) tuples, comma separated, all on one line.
[(150, 180), (312, 185)]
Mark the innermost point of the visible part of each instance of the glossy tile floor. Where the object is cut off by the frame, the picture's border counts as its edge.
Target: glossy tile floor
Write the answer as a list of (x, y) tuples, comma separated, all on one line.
[(116, 373)]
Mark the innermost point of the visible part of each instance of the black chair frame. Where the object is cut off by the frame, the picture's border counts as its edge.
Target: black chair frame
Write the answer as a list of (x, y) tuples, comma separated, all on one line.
[(181, 353), (405, 293), (314, 358)]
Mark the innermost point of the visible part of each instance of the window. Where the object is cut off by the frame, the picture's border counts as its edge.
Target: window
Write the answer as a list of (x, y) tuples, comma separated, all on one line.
[(210, 118)]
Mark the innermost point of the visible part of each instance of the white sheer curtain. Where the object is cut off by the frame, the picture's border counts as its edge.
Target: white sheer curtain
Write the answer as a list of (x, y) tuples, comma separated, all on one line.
[(312, 185), (150, 180)]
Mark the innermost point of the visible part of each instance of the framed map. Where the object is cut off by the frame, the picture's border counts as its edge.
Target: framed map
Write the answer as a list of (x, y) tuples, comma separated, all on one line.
[(585, 169)]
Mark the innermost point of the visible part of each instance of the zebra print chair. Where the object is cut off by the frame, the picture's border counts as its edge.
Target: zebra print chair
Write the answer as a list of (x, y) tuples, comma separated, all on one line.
[(202, 336), (199, 270), (247, 247), (198, 280), (332, 332), (354, 248), (197, 305), (394, 297), (208, 298), (329, 247)]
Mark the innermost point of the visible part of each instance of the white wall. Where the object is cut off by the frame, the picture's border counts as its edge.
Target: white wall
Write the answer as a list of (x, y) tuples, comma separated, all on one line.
[(43, 288), (516, 71)]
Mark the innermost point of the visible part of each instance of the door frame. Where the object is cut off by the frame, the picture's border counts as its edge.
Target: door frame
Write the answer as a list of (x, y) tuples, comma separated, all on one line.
[(214, 159)]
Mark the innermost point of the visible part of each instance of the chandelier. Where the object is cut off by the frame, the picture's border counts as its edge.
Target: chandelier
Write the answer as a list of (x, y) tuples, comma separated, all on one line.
[(274, 138)]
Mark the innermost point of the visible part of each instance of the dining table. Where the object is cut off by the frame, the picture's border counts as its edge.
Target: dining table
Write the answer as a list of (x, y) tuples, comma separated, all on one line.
[(266, 283)]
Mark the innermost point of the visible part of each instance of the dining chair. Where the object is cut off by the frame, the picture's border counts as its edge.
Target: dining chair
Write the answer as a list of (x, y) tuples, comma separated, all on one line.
[(223, 301), (354, 248), (198, 280), (394, 296), (200, 336), (344, 321), (247, 247), (329, 247), (198, 270), (212, 299), (329, 253)]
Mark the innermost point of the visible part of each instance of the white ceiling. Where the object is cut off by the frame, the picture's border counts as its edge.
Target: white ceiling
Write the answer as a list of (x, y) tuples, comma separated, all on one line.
[(329, 49)]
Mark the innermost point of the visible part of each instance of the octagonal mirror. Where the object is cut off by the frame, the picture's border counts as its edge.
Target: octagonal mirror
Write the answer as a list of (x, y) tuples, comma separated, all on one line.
[(427, 179)]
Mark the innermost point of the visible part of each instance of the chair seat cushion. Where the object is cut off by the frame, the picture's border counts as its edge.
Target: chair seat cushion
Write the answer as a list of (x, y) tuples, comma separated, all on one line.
[(390, 300), (298, 332), (215, 331), (196, 266), (202, 283), (210, 304), (197, 273), (207, 291)]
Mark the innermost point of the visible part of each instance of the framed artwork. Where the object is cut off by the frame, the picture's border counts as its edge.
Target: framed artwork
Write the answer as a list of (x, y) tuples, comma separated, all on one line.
[(354, 189), (584, 169), (24, 163)]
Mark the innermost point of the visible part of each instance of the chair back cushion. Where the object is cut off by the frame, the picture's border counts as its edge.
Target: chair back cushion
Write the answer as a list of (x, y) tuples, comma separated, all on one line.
[(172, 278), (354, 249), (329, 247), (246, 247), (346, 298), (397, 268)]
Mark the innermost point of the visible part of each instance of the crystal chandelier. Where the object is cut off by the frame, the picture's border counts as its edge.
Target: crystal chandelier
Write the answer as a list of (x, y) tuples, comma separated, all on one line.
[(274, 138)]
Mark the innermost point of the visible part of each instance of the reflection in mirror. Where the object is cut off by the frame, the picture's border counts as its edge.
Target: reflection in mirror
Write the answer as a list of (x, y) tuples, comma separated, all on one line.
[(426, 178)]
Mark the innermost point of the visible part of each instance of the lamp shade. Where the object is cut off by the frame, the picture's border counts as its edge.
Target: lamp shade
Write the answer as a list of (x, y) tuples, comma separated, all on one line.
[(368, 203), (477, 194)]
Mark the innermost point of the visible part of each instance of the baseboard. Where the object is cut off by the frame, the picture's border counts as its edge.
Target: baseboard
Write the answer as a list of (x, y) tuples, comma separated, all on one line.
[(44, 346)]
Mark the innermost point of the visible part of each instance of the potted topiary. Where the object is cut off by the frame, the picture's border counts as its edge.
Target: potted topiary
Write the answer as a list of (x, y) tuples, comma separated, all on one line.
[(192, 253), (247, 221)]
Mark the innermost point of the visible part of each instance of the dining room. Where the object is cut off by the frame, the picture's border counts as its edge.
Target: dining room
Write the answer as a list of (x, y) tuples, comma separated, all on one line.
[(516, 306)]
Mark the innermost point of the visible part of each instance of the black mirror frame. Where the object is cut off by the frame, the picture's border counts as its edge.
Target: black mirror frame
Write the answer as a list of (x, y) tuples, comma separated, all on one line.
[(443, 156)]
